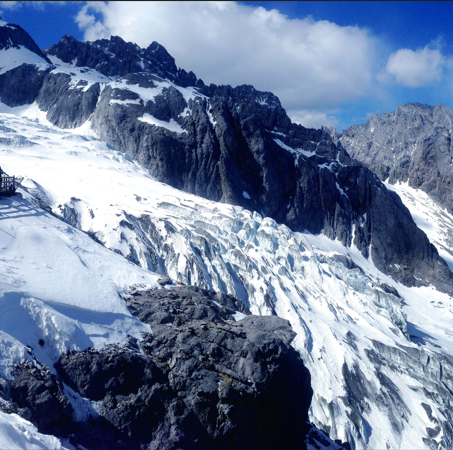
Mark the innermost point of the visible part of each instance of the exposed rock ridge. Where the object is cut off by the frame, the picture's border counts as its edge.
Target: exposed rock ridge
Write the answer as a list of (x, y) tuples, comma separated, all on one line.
[(116, 58), (200, 380)]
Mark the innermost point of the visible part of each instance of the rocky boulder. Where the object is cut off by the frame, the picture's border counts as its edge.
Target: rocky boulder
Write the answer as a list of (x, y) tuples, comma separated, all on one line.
[(200, 380)]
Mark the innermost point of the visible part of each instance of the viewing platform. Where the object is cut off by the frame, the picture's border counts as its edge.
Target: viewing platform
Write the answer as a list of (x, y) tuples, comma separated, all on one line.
[(8, 184)]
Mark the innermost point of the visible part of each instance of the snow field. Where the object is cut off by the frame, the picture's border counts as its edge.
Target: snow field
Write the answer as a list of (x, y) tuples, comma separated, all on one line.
[(19, 434), (14, 57)]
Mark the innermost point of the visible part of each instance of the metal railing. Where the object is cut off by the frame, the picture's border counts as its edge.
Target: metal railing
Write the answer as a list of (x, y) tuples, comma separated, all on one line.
[(8, 185)]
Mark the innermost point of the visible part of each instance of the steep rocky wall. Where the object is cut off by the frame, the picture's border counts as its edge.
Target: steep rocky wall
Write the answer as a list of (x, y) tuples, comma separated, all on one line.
[(229, 153), (412, 144)]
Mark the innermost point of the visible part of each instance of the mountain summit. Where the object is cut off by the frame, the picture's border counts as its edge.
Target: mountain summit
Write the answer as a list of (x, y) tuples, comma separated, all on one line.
[(116, 58), (17, 47)]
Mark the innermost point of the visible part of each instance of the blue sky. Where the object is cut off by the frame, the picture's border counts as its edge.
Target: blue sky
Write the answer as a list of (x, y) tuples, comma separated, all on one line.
[(330, 63)]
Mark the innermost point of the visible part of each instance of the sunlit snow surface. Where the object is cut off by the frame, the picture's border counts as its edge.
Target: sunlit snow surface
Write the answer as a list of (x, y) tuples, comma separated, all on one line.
[(433, 219), (64, 286), (13, 57), (19, 434)]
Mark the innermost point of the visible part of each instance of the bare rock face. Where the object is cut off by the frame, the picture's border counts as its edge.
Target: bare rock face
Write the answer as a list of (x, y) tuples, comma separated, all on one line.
[(412, 144), (21, 85), (241, 141), (78, 102), (200, 380)]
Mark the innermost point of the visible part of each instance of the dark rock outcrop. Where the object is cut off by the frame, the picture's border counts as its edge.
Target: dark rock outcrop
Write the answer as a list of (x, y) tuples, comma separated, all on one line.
[(200, 380), (21, 86), (35, 388)]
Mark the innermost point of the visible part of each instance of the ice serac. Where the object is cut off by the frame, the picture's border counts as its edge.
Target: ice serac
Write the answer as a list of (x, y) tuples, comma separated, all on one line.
[(412, 144)]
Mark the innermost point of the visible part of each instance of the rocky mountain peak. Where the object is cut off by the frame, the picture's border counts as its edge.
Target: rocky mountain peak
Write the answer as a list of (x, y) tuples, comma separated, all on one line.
[(115, 57), (14, 36)]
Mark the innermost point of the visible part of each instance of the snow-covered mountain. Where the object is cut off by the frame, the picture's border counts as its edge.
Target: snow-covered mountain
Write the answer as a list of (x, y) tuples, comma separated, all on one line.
[(234, 145), (366, 293), (17, 48)]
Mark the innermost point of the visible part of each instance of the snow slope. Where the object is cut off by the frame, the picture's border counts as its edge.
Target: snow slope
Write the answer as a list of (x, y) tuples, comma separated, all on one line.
[(381, 365), (13, 57), (59, 286), (18, 434), (434, 220), (21, 51)]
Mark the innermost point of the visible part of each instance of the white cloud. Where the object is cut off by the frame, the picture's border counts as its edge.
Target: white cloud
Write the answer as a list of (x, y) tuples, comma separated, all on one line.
[(313, 119), (14, 5), (307, 64), (415, 69), (10, 5)]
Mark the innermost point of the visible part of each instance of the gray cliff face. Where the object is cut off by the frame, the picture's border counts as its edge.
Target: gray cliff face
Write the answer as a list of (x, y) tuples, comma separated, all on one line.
[(235, 145), (200, 380), (57, 95), (21, 85), (412, 144)]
